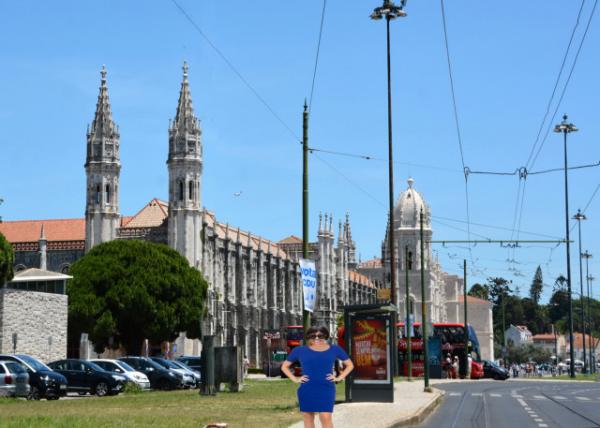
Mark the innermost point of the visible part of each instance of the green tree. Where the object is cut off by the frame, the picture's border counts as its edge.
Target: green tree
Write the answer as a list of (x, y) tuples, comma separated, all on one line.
[(7, 259), (480, 291), (125, 291), (537, 286)]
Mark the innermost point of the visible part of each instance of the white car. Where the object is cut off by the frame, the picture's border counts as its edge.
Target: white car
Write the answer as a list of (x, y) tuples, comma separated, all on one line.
[(14, 380), (121, 367)]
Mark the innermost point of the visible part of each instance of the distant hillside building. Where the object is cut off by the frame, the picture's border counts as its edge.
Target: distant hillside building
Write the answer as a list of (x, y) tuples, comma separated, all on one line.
[(518, 335)]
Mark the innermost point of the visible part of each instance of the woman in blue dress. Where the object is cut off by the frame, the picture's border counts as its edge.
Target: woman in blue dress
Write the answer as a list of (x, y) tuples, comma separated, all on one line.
[(316, 393)]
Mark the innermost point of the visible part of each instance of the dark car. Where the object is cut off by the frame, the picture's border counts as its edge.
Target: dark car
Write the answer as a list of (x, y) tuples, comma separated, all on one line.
[(84, 376), (494, 371), (189, 381), (44, 382), (195, 363), (160, 378)]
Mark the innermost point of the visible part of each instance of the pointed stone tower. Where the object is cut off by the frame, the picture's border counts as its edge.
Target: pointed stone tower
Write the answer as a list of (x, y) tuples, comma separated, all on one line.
[(102, 169), (185, 173)]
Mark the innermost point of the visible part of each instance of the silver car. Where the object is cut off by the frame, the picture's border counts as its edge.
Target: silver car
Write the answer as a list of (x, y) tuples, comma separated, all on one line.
[(121, 367), (14, 380)]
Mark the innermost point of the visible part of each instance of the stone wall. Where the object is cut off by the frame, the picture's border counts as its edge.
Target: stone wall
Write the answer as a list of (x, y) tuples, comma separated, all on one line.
[(36, 317)]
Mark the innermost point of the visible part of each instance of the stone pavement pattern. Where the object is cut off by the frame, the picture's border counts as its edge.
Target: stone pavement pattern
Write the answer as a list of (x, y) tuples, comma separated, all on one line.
[(410, 402)]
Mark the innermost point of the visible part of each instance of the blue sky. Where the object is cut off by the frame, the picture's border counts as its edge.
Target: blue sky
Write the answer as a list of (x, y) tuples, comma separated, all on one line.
[(505, 59)]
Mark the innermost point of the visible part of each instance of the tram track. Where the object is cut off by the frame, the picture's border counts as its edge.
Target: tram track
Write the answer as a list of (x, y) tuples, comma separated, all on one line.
[(570, 409)]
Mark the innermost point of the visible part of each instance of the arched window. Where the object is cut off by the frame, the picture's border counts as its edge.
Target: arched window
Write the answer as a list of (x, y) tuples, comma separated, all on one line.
[(411, 305), (191, 190), (410, 261), (180, 190), (107, 194), (98, 194)]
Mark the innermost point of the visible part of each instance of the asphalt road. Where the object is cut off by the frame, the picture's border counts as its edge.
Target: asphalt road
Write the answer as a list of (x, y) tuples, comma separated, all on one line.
[(517, 404)]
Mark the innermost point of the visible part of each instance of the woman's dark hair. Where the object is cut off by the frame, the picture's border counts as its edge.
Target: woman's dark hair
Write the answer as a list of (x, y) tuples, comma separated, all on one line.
[(314, 330)]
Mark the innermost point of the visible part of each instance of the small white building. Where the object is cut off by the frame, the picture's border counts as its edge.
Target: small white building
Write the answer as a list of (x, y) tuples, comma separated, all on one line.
[(554, 343), (518, 335)]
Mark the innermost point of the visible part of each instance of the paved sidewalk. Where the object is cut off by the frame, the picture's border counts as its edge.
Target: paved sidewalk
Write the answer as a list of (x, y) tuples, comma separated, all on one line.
[(410, 406)]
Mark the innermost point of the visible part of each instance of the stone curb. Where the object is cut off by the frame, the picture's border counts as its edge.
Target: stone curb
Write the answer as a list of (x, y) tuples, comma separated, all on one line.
[(422, 413)]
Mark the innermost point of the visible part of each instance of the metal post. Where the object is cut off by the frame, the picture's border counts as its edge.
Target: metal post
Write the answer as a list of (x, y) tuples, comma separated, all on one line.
[(587, 257), (564, 127), (466, 325), (305, 313), (579, 216), (424, 309), (408, 324), (390, 169), (591, 324)]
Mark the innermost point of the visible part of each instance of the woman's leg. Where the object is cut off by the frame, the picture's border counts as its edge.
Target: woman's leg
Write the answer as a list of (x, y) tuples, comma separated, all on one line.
[(309, 419), (326, 420)]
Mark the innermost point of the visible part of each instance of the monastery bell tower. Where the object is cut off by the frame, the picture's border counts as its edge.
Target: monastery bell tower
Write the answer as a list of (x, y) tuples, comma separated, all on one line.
[(102, 168), (185, 172)]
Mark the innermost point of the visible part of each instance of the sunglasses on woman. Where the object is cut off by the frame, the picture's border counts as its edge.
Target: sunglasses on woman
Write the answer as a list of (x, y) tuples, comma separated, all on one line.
[(316, 336)]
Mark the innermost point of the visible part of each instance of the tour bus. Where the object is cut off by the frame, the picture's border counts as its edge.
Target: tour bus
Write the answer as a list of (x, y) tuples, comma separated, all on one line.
[(294, 335), (452, 345)]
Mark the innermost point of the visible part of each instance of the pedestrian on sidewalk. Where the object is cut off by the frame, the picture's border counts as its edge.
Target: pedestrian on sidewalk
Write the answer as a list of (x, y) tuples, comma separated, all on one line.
[(316, 393)]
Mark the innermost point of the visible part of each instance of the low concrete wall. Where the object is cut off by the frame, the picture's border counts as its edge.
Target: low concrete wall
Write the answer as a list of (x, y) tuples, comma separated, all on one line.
[(39, 319)]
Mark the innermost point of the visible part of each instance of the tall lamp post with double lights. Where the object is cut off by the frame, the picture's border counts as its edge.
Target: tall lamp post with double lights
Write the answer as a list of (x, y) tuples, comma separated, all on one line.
[(566, 128), (581, 216), (390, 11)]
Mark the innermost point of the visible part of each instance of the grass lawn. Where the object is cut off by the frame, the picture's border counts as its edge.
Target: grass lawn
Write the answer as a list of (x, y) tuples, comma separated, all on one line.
[(261, 404)]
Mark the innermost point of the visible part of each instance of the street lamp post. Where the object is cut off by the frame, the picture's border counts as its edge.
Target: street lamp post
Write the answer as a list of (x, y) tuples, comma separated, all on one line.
[(587, 256), (390, 11), (580, 216), (566, 128)]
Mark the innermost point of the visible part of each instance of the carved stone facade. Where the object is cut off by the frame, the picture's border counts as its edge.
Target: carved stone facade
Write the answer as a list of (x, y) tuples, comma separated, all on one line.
[(254, 283)]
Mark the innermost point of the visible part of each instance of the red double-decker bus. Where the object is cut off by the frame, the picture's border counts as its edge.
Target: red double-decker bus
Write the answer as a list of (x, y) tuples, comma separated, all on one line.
[(452, 338)]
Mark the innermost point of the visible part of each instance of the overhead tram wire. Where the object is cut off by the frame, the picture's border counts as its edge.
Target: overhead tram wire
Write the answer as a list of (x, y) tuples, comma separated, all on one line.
[(456, 121), (562, 66), (312, 86), (564, 90)]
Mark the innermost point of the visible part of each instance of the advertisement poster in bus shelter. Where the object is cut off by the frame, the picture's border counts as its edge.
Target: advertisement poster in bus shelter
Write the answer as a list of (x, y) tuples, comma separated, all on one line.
[(370, 348)]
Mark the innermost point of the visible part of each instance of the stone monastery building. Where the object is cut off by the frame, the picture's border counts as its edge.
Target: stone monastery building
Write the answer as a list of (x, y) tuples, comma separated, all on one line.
[(254, 283)]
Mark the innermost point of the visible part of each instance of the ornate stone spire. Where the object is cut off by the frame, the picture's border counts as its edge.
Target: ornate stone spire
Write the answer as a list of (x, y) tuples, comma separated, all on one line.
[(340, 234), (42, 233), (330, 230), (185, 121), (320, 223), (103, 134)]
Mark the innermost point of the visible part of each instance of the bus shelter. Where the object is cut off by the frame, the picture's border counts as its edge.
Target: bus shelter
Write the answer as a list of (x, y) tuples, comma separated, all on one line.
[(369, 339)]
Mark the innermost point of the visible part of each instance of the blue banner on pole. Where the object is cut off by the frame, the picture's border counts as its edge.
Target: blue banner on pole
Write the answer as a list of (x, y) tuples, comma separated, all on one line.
[(308, 273)]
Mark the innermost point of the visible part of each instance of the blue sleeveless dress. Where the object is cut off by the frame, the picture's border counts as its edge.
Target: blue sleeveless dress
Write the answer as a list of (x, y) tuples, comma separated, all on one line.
[(318, 393)]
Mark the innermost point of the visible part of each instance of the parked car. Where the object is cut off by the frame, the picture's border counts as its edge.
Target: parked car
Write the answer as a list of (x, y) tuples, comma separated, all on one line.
[(195, 374), (43, 381), (195, 363), (84, 376), (122, 368), (160, 378), (494, 371), (14, 380), (189, 381), (476, 370)]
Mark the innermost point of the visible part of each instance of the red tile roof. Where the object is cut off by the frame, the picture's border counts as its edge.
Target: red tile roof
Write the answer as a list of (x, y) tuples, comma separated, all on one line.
[(543, 336), (55, 230), (359, 278), (291, 240), (152, 215), (373, 263), (476, 300)]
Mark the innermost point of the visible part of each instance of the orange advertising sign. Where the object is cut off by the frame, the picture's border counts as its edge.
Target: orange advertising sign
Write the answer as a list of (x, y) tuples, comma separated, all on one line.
[(370, 351)]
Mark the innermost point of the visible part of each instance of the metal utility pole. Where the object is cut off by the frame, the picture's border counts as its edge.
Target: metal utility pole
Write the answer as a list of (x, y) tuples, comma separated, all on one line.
[(587, 256), (390, 11), (424, 309), (595, 342), (580, 216), (408, 323), (466, 325), (305, 313), (566, 128)]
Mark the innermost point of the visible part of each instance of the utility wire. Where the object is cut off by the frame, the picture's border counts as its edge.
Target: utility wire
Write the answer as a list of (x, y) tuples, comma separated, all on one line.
[(525, 172), (587, 27), (312, 87), (235, 70), (562, 66), (456, 121)]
